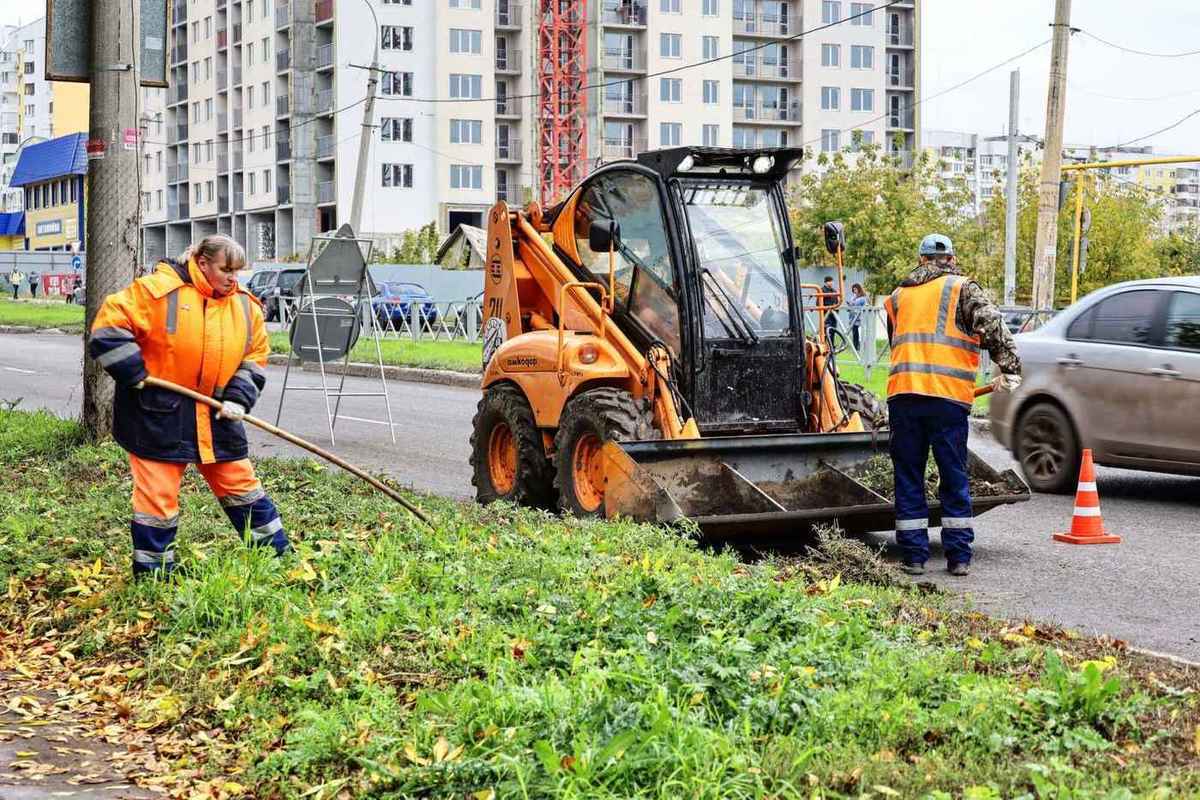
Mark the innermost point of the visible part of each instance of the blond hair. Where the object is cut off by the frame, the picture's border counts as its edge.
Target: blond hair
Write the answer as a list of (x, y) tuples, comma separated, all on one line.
[(210, 247)]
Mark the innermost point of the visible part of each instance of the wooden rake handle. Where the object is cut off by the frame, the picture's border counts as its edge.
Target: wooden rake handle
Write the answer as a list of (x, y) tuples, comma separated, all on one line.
[(296, 440)]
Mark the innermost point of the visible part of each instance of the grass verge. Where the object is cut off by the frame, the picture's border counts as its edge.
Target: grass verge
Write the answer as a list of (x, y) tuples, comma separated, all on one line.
[(511, 653), (458, 356), (41, 314)]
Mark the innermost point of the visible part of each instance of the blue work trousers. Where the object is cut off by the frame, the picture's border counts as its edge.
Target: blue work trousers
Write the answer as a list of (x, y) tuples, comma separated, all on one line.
[(918, 424)]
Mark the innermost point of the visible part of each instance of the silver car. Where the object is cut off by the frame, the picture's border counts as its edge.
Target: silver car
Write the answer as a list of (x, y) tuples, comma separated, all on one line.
[(1118, 372)]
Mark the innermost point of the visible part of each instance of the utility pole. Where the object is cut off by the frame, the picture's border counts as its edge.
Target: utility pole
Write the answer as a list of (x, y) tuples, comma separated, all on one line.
[(1010, 193), (113, 202), (368, 124), (1046, 242)]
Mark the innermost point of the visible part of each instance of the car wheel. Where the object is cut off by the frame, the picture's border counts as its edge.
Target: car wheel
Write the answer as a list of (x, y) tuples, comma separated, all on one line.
[(1047, 449)]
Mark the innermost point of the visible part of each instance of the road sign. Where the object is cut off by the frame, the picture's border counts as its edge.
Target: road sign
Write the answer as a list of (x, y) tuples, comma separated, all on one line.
[(76, 263), (69, 41)]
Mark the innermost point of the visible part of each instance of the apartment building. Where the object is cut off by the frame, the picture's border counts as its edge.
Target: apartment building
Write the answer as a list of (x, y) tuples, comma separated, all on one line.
[(32, 109), (261, 124), (980, 161)]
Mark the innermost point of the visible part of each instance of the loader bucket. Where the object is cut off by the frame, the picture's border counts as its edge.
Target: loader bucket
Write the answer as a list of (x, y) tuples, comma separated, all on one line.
[(769, 489)]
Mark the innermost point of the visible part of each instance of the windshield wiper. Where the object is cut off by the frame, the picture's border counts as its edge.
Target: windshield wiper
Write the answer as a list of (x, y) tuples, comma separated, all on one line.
[(745, 331)]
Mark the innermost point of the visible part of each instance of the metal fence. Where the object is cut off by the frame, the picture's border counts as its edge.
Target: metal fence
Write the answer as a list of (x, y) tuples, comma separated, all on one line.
[(443, 320)]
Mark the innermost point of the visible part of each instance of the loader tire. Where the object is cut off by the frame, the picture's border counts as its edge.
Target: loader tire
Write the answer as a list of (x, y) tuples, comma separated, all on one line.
[(589, 421), (508, 461), (870, 410)]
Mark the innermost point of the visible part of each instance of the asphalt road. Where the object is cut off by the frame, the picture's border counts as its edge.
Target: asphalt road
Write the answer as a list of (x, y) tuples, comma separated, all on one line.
[(1145, 590)]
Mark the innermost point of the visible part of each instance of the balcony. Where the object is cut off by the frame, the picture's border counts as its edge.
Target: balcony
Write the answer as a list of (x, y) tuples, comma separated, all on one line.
[(900, 37), (237, 32), (508, 61), (222, 38), (223, 80), (222, 4), (508, 108), (751, 68), (901, 120), (324, 102), (177, 173), (624, 61), (237, 76), (622, 148), (763, 25), (901, 79), (324, 11), (222, 204), (509, 150), (222, 123), (767, 112), (177, 133), (632, 105), (222, 162), (282, 106), (283, 150), (179, 211), (239, 201), (630, 16), (283, 15), (508, 16), (179, 13), (283, 194), (237, 119), (177, 94), (179, 52), (326, 193), (325, 146), (324, 56), (237, 157), (283, 60)]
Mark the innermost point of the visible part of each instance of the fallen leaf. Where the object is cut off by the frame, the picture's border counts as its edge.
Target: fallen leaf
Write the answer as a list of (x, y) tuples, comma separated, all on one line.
[(651, 637)]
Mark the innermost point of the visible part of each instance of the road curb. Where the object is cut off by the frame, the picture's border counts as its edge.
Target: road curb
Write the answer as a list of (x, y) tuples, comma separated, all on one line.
[(23, 329), (440, 377), (981, 424)]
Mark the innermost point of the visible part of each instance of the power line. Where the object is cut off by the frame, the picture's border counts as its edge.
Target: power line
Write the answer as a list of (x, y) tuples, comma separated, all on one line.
[(290, 128), (1170, 127), (1132, 99), (1139, 52)]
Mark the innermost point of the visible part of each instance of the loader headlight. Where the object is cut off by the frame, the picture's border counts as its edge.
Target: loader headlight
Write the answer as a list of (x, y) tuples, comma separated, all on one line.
[(762, 165), (588, 354)]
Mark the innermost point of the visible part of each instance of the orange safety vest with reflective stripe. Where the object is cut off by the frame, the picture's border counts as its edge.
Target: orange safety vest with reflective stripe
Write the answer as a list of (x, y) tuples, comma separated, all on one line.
[(930, 355), (170, 325)]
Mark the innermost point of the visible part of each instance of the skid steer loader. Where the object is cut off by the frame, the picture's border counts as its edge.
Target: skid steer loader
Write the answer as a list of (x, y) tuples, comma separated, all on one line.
[(645, 356)]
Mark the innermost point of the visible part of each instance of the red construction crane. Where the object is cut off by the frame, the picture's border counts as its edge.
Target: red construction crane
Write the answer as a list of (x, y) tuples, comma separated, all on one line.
[(562, 99)]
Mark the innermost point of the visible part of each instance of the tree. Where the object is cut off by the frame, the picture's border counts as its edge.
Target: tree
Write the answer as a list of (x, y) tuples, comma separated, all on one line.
[(418, 246)]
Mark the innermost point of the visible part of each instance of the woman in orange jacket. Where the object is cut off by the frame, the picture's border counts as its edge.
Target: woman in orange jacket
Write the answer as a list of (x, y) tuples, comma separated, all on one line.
[(192, 324)]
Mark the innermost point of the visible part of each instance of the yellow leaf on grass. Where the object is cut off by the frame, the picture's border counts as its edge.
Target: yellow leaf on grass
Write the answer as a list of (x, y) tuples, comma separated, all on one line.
[(303, 572), (233, 788), (887, 791), (485, 794), (651, 637), (440, 748), (974, 644), (410, 753), (1196, 740)]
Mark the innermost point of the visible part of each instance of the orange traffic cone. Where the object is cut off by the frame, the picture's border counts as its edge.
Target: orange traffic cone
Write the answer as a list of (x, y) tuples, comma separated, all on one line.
[(1087, 526)]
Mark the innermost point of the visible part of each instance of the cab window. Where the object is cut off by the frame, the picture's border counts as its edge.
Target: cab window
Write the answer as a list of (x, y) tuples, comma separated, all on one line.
[(644, 277)]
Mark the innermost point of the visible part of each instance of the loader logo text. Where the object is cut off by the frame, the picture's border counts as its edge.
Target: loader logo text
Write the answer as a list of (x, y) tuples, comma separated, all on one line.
[(519, 363)]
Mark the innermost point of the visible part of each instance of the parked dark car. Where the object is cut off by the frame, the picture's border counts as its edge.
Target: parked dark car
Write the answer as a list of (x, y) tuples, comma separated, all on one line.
[(269, 285), (393, 304)]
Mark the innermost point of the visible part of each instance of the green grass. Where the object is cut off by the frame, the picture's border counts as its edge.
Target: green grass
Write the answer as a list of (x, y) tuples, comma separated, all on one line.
[(41, 314), (459, 356), (516, 653)]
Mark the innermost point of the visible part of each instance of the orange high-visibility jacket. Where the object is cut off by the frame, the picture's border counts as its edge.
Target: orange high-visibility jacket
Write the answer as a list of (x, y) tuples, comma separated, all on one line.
[(930, 355), (169, 325)]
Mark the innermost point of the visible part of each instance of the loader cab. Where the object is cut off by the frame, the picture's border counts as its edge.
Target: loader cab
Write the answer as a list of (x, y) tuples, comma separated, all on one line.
[(704, 264)]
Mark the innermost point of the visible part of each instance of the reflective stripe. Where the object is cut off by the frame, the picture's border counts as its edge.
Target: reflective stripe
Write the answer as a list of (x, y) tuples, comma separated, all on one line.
[(1086, 511), (932, 369), (252, 368), (111, 333), (152, 521), (944, 302), (264, 532), (1087, 486), (246, 499), (249, 326), (121, 353), (957, 522), (245, 375), (911, 524), (172, 311), (935, 338), (151, 558), (219, 392)]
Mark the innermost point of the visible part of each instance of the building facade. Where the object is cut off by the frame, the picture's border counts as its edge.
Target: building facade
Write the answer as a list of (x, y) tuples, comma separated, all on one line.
[(258, 135), (52, 178), (981, 162)]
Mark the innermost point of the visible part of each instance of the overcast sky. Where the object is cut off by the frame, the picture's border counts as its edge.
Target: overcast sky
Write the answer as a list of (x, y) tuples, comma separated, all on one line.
[(1111, 96)]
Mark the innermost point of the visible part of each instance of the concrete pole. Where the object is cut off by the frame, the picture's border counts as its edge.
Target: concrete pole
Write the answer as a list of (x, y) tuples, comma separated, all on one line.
[(112, 199), (368, 123), (1010, 193), (1046, 242)]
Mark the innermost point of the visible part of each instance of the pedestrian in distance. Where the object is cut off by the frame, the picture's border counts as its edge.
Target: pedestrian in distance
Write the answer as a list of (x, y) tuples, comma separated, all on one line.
[(938, 319), (189, 322), (34, 279), (16, 278), (829, 300), (857, 303)]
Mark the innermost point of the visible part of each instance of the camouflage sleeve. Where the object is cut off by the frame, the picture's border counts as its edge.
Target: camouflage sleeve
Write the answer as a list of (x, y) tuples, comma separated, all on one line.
[(979, 315)]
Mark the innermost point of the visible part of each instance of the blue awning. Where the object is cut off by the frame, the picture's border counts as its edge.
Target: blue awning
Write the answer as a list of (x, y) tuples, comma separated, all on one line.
[(12, 223), (46, 161)]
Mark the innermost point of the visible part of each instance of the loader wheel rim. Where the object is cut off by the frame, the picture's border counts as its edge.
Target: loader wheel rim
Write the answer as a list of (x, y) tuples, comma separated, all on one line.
[(502, 458), (588, 472)]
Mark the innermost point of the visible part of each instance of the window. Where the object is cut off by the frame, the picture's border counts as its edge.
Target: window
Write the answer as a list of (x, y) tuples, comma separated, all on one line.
[(830, 140), (208, 191), (29, 88), (710, 46), (669, 45), (1125, 318), (831, 55), (396, 129), (710, 8), (466, 86), (669, 6), (1183, 321), (398, 176), (862, 99), (250, 9), (266, 180), (158, 161), (472, 4), (266, 135), (266, 10), (208, 150), (195, 71), (831, 98), (249, 53), (400, 83), (466, 131), (466, 176), (831, 11), (208, 68), (157, 198), (250, 142), (860, 138), (400, 37), (710, 134), (208, 27), (250, 183), (196, 193), (196, 111), (462, 41), (860, 14), (670, 90), (196, 31), (862, 57), (29, 46), (670, 134), (208, 108), (711, 92), (397, 2), (266, 49), (54, 194)]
